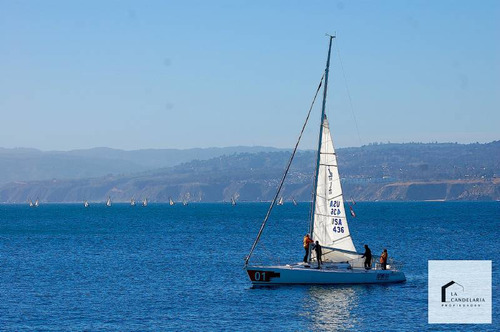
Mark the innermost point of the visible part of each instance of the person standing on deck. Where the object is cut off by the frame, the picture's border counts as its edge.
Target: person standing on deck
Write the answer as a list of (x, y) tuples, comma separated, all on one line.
[(383, 260), (307, 241), (317, 248), (368, 257)]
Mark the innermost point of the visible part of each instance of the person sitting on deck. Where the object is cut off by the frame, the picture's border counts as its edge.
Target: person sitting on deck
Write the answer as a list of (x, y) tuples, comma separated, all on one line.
[(383, 260), (368, 257), (307, 241), (317, 248)]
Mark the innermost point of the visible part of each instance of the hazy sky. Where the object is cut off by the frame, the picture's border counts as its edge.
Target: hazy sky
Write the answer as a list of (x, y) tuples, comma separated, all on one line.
[(180, 74)]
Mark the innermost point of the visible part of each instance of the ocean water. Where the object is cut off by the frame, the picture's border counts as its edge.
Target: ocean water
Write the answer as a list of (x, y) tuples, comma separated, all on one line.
[(161, 267)]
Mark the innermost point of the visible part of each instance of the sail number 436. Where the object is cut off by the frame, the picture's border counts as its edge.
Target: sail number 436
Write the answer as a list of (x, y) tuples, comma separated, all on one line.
[(338, 229)]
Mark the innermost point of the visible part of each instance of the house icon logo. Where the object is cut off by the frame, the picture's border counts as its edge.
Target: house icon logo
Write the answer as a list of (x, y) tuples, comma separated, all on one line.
[(451, 289)]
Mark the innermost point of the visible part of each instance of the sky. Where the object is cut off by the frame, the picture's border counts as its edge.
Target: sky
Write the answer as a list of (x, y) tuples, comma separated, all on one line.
[(184, 74)]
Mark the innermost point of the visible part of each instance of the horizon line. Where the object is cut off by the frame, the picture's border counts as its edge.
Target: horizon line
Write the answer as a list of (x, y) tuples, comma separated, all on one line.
[(234, 146)]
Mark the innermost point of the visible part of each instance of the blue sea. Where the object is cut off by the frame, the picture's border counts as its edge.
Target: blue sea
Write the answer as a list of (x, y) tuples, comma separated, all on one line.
[(161, 267)]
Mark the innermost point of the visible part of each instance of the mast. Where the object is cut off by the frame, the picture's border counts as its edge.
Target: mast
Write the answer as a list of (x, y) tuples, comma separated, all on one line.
[(323, 115)]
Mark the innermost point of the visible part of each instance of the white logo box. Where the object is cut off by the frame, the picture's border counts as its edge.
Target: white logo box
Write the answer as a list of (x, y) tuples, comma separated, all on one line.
[(459, 292)]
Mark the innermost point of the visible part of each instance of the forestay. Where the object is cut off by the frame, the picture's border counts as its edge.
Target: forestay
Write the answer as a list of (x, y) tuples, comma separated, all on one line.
[(330, 226)]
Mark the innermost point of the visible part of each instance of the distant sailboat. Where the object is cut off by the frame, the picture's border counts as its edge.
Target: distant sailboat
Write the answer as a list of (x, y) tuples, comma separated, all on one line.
[(352, 211), (132, 202), (30, 203), (170, 201), (145, 202), (280, 202), (108, 202), (86, 203), (233, 201), (185, 201), (352, 201), (294, 201), (36, 203)]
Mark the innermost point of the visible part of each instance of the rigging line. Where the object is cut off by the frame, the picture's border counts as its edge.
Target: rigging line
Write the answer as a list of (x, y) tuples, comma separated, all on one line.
[(247, 258), (348, 94), (320, 196), (329, 215)]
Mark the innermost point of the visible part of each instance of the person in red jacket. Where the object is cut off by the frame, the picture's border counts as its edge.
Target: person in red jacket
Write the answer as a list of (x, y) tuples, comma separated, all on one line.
[(307, 241), (383, 260)]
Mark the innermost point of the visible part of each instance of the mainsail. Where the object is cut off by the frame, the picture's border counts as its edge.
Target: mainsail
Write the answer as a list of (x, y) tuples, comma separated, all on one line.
[(329, 225)]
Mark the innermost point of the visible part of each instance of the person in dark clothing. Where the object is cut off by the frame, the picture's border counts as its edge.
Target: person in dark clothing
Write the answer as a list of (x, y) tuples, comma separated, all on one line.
[(368, 257), (317, 249)]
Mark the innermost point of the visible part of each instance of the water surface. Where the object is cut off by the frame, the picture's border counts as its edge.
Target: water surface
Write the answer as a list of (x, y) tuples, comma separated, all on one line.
[(64, 267)]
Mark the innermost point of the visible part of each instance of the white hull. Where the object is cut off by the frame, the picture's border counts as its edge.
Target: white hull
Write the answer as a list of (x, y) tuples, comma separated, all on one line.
[(327, 275)]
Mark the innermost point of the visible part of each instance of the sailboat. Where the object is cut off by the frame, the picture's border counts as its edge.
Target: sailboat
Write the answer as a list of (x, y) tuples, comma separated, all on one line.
[(280, 202), (132, 202), (86, 203), (294, 201), (342, 264), (108, 202), (233, 201), (145, 202), (30, 202), (170, 201), (185, 200), (37, 203)]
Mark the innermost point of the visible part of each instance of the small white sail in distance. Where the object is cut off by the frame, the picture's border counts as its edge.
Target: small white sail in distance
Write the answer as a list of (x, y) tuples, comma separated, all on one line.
[(330, 226), (108, 202)]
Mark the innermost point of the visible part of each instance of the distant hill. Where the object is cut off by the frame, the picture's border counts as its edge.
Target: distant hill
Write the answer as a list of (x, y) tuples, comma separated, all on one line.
[(34, 165), (411, 171)]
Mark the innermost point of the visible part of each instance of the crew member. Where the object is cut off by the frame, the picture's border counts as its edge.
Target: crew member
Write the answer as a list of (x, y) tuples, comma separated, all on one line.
[(317, 248), (307, 241), (368, 257), (383, 259)]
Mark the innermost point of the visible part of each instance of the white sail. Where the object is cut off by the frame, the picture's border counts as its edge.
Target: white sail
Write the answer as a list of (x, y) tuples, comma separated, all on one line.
[(171, 202), (280, 202), (108, 202), (330, 222), (132, 202), (86, 204), (145, 202)]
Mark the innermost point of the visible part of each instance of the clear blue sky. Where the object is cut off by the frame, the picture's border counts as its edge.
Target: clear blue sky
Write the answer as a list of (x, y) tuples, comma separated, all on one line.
[(181, 74)]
